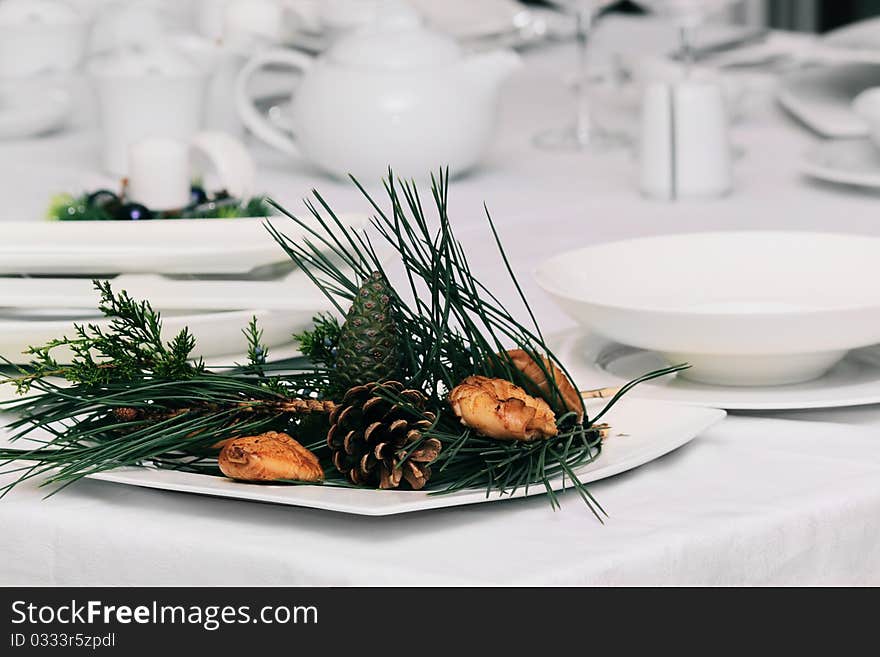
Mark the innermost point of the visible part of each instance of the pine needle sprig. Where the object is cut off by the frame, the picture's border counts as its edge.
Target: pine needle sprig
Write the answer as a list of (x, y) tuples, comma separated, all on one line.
[(457, 328)]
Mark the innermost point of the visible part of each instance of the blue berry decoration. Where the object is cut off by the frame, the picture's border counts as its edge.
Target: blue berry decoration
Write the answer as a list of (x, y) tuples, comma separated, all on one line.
[(197, 195), (134, 212)]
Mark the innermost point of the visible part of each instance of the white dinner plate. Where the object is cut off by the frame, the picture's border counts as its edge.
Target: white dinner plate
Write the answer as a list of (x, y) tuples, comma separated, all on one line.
[(293, 291), (217, 329), (822, 97), (219, 363), (642, 431), (167, 246), (595, 362), (216, 333), (275, 354), (845, 161)]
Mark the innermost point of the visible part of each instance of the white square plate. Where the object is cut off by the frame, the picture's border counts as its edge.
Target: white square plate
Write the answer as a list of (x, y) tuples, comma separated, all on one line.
[(641, 431), (167, 246)]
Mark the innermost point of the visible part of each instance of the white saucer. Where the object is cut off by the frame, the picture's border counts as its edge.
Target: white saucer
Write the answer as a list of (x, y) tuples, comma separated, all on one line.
[(845, 161), (594, 363), (32, 113), (821, 97)]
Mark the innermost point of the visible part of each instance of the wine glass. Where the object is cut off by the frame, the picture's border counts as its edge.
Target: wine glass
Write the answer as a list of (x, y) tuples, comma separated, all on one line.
[(582, 134), (688, 15)]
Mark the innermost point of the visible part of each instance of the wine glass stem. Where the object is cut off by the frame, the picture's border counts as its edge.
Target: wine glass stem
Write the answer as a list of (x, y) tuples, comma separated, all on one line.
[(688, 56), (583, 119)]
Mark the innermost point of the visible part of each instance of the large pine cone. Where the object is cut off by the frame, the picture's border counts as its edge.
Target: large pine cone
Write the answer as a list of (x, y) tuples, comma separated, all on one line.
[(371, 436)]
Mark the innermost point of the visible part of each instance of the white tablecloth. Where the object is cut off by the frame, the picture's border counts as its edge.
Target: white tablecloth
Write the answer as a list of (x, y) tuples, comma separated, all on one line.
[(786, 498)]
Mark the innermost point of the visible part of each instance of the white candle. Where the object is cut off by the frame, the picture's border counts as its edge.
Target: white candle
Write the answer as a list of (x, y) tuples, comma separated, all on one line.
[(159, 173)]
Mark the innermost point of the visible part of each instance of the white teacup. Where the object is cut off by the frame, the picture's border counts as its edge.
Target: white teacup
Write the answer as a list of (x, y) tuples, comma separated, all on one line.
[(867, 106), (143, 93), (223, 61)]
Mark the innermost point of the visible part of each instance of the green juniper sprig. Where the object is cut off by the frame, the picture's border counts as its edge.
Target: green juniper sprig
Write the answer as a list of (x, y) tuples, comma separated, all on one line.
[(131, 345), (168, 411), (320, 343), (66, 207)]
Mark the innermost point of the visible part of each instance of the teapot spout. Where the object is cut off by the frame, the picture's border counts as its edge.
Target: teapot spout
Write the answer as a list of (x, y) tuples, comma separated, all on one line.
[(490, 69)]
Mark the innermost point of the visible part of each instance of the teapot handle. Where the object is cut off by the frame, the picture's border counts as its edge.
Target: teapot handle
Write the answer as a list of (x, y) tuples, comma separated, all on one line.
[(247, 110)]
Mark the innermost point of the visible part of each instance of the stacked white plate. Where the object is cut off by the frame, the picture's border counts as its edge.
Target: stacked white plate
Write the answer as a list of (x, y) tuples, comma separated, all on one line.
[(211, 275)]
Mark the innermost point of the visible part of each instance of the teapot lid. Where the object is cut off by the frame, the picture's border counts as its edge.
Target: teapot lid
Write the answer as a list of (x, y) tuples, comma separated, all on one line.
[(395, 41)]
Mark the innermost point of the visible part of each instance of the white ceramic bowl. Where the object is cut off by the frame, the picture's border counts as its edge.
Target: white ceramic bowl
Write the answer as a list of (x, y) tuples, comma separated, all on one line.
[(743, 308)]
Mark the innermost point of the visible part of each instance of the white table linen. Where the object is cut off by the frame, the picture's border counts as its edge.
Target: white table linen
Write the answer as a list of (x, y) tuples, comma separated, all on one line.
[(752, 501), (783, 498)]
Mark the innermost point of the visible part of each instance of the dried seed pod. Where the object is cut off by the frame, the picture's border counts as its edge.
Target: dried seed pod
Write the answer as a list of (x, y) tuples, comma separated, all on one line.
[(499, 409), (267, 457), (534, 372)]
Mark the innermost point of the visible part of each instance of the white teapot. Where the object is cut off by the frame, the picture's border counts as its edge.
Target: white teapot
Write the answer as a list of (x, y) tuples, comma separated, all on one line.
[(390, 94)]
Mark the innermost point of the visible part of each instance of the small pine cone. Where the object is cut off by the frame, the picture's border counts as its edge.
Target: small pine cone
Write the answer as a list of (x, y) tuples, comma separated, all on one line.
[(126, 414), (380, 443), (369, 347)]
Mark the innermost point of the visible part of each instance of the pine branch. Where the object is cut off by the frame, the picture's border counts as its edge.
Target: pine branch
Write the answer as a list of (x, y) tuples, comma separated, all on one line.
[(133, 398)]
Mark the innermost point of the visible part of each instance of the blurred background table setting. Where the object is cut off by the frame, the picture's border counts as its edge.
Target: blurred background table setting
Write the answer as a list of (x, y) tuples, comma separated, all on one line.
[(674, 180)]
